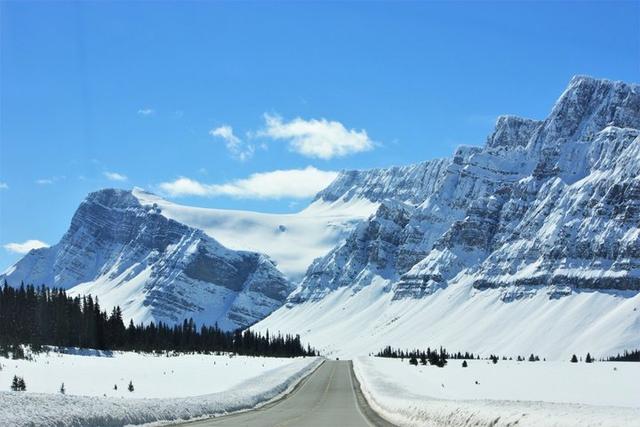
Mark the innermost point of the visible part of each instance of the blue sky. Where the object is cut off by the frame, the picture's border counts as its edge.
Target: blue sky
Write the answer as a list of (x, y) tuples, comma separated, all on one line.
[(193, 99)]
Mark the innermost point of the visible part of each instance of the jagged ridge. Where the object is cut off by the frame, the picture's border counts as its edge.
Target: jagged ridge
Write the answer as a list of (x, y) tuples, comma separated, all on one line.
[(550, 203)]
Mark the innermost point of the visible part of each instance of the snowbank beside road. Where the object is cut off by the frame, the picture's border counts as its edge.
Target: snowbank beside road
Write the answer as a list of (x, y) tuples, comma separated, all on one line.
[(27, 408), (94, 373), (526, 393)]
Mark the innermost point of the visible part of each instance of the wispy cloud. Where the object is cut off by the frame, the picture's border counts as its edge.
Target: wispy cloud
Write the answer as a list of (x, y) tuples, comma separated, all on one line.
[(50, 180), (318, 138), (146, 112), (238, 148), (278, 184), (4, 186), (115, 176), (25, 247)]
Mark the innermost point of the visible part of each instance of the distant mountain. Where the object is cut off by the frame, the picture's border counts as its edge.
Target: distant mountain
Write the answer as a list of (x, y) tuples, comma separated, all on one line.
[(545, 215)]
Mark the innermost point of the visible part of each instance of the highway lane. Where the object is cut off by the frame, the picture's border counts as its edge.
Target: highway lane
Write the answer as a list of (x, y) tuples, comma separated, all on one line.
[(328, 397)]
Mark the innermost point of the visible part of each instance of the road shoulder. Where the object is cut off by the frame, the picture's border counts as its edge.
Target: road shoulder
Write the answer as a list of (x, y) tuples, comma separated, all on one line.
[(372, 416)]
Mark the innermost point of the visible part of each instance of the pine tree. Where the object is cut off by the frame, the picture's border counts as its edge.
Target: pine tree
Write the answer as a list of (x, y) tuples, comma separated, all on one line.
[(532, 358), (15, 384), (130, 388), (22, 386), (588, 359), (464, 364), (413, 361), (62, 389)]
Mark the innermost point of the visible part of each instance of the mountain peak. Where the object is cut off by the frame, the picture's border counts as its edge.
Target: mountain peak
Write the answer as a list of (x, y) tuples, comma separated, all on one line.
[(512, 131), (588, 105), (113, 197)]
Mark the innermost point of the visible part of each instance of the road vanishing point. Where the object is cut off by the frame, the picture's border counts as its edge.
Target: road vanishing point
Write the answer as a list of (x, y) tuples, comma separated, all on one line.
[(329, 397)]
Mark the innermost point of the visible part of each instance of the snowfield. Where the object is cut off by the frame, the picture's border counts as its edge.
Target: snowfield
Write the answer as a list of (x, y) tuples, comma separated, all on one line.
[(508, 393), (165, 388), (355, 322), (293, 241)]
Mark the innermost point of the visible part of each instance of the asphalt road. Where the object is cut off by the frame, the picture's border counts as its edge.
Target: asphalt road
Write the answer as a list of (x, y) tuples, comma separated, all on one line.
[(329, 397)]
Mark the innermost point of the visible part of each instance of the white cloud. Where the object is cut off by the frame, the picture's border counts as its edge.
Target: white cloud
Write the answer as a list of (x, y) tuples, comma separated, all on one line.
[(239, 149), (24, 247), (115, 176), (146, 112), (278, 184), (319, 138), (4, 186)]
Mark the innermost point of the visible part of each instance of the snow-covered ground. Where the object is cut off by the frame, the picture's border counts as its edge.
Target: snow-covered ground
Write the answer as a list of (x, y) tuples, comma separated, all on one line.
[(165, 388), (507, 393), (349, 323)]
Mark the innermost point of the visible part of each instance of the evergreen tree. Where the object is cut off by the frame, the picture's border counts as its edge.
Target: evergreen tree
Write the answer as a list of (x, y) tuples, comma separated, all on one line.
[(588, 359), (15, 384), (413, 361), (442, 358), (464, 364), (62, 389), (532, 358), (18, 384), (130, 388)]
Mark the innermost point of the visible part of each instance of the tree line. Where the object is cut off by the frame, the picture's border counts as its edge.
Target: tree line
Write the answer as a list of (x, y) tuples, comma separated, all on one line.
[(627, 356), (48, 316), (398, 353), (436, 357)]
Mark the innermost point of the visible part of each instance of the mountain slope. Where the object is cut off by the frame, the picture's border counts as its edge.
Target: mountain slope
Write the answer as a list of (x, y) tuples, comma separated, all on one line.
[(542, 222)]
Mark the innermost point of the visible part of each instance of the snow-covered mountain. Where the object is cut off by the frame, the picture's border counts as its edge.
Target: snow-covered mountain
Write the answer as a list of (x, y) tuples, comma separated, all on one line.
[(155, 268), (163, 262), (540, 223), (528, 243)]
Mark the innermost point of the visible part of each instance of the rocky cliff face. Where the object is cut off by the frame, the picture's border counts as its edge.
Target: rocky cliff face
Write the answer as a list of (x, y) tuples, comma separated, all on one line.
[(155, 268), (405, 183), (547, 205)]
